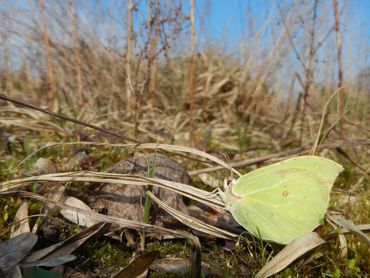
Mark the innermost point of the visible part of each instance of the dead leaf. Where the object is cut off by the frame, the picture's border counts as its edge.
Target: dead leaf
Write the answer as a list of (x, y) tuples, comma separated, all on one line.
[(54, 192), (138, 265), (290, 253), (43, 166), (14, 273), (210, 181), (75, 217), (176, 266), (21, 223), (51, 262), (196, 258), (78, 159), (72, 273), (126, 201), (69, 245), (15, 249)]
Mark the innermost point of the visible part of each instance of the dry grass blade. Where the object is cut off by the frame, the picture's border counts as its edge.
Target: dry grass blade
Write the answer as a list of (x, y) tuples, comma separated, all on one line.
[(343, 251), (165, 147), (100, 177), (103, 218), (175, 148), (341, 221), (282, 155), (290, 253), (248, 162), (314, 147), (37, 125), (193, 222), (52, 113), (361, 227)]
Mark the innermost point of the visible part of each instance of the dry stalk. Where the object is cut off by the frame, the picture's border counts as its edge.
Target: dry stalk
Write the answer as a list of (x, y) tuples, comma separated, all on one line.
[(129, 46), (77, 65), (191, 70), (51, 91), (309, 70), (9, 88), (307, 66), (60, 116), (341, 94), (154, 23)]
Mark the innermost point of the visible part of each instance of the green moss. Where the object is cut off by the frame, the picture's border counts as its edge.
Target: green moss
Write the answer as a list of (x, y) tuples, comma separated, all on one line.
[(171, 248), (8, 209), (102, 257)]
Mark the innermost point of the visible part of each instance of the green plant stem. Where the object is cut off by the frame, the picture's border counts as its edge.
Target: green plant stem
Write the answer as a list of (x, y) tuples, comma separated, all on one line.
[(148, 204), (148, 201)]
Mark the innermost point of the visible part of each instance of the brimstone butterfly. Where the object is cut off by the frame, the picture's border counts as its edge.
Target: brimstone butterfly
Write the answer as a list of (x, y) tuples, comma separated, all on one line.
[(285, 200)]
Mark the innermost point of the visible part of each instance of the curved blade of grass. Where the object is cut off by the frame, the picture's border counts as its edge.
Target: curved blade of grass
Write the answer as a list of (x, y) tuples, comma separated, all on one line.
[(102, 177), (193, 222), (165, 147), (341, 221), (139, 226)]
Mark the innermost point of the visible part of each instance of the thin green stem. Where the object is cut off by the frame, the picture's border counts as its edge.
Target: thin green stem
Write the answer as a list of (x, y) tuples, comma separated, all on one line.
[(148, 200)]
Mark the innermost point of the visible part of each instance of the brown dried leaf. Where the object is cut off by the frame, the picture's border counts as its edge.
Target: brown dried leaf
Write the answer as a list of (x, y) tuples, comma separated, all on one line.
[(55, 192), (75, 217), (43, 166), (126, 201), (69, 245), (21, 221), (176, 266), (210, 181), (139, 265)]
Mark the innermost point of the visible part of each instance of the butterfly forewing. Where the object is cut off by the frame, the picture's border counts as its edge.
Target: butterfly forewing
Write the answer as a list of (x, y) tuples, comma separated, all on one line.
[(282, 201)]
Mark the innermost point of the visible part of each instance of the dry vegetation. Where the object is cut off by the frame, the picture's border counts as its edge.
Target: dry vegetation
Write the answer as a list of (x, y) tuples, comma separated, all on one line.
[(141, 70)]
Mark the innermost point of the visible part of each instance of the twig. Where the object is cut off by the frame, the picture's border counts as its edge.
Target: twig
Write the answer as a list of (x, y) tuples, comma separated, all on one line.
[(191, 70), (51, 91), (341, 94), (309, 70)]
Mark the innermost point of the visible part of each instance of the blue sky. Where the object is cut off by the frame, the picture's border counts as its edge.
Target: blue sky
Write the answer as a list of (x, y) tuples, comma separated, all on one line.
[(228, 19), (226, 22), (231, 15)]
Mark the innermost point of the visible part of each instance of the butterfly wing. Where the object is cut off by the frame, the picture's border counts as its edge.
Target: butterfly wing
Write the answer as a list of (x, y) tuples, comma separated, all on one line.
[(285, 200)]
